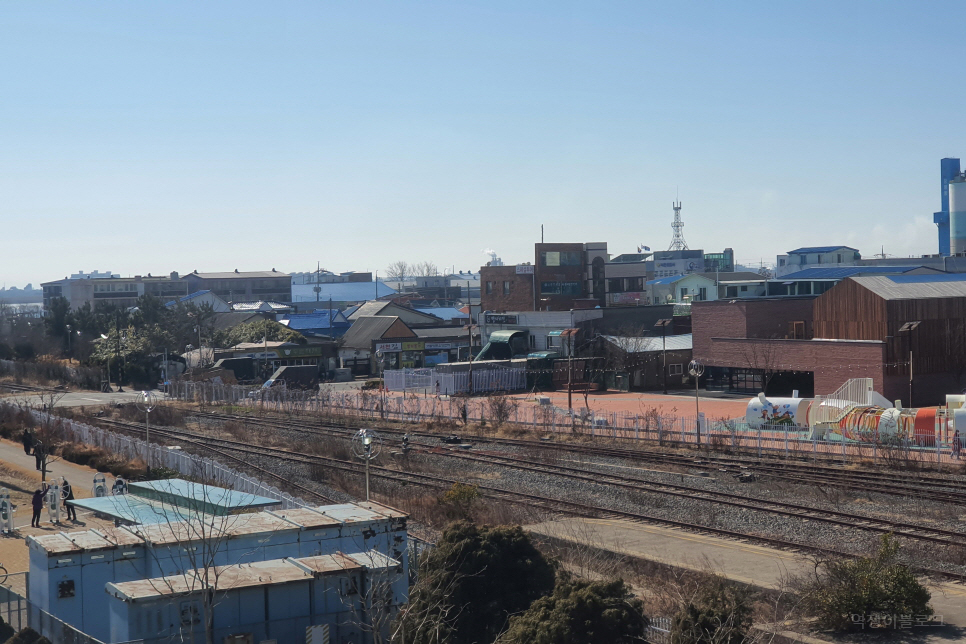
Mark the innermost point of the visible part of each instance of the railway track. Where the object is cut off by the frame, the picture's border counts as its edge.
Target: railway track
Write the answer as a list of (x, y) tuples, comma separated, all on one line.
[(31, 389), (921, 486), (864, 523)]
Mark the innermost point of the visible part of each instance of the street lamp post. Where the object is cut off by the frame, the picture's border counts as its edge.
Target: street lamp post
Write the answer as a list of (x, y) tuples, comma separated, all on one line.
[(366, 444), (696, 369), (146, 401), (69, 358)]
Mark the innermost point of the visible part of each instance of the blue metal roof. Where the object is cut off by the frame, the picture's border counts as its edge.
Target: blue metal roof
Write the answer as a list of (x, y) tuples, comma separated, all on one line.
[(668, 280), (187, 298), (131, 509), (209, 498), (818, 249), (841, 272), (316, 320), (341, 292), (444, 312)]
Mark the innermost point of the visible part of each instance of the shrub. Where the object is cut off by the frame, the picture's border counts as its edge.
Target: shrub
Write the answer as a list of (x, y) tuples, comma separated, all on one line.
[(470, 584), (719, 613), (581, 612), (851, 593), (461, 497)]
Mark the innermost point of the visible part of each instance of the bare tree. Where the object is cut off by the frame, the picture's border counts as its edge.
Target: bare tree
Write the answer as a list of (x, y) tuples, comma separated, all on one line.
[(398, 271), (424, 269), (762, 356), (199, 536)]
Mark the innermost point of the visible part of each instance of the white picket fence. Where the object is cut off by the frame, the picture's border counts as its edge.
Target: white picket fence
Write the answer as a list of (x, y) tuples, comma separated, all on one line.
[(206, 469), (432, 380)]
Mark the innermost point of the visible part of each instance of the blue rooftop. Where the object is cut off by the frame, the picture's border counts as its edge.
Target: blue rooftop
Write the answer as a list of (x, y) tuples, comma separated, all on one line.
[(841, 272), (188, 298), (667, 280), (131, 509), (819, 249), (198, 497), (318, 319)]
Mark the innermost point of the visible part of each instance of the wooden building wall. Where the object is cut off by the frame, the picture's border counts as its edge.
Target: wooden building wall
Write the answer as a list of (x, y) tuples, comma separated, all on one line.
[(849, 311)]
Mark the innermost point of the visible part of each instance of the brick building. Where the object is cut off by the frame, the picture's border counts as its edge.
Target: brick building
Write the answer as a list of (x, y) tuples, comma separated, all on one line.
[(875, 327), (565, 276), (505, 288)]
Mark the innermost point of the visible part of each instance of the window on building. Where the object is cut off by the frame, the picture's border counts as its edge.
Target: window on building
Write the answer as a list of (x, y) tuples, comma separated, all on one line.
[(533, 342), (506, 288), (702, 294), (489, 288), (839, 258), (560, 258), (781, 262), (819, 259), (731, 291), (684, 293), (675, 369), (744, 288), (615, 285)]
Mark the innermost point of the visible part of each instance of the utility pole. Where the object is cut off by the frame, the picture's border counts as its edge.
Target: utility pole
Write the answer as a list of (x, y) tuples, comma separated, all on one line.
[(469, 330), (570, 380)]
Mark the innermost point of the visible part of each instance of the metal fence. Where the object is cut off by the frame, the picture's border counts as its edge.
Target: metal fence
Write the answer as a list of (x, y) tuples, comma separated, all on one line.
[(192, 465), (659, 631), (649, 424), (433, 381), (21, 613)]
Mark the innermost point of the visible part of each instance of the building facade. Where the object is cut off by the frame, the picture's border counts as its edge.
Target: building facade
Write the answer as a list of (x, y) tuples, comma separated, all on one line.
[(250, 286)]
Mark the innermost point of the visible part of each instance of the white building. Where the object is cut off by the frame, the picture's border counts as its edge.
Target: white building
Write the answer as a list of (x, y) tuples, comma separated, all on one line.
[(812, 256)]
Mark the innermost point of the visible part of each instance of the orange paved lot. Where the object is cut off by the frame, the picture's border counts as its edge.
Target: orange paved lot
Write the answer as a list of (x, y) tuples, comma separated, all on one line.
[(677, 405)]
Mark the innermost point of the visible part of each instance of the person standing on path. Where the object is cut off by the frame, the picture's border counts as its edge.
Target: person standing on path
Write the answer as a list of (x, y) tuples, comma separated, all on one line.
[(67, 492), (38, 505), (39, 454), (28, 441), (957, 445)]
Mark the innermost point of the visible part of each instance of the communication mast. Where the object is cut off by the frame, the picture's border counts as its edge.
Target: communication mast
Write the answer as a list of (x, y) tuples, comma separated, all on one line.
[(677, 242)]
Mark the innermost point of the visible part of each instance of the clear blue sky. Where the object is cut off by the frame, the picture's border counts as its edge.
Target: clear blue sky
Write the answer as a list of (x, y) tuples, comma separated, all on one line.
[(149, 137)]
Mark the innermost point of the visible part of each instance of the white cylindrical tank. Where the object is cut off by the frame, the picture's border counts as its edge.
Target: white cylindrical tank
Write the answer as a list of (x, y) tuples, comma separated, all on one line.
[(776, 411), (957, 215)]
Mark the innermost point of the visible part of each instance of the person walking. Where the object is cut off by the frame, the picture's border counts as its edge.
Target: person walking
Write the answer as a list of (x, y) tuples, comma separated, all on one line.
[(28, 440), (67, 492), (957, 444), (39, 454), (38, 505)]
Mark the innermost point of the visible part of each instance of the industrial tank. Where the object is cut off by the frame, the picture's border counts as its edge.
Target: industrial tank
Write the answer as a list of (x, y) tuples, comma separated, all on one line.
[(957, 215)]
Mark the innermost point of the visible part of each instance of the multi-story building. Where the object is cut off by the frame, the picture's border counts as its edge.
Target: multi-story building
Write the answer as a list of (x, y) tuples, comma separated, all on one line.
[(812, 256), (248, 286), (107, 288)]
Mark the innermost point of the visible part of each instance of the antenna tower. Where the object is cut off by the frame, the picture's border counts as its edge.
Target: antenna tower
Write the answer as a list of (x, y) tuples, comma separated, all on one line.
[(677, 242)]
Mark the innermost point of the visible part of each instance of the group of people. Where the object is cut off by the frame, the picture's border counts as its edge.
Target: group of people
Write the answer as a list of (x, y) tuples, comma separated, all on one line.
[(35, 446), (40, 495)]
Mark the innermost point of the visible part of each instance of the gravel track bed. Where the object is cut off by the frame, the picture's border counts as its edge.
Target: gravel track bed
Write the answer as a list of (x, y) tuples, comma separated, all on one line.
[(701, 512)]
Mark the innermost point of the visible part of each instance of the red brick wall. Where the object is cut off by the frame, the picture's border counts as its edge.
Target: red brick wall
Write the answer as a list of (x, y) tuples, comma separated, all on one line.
[(521, 290), (832, 362), (752, 318), (559, 274)]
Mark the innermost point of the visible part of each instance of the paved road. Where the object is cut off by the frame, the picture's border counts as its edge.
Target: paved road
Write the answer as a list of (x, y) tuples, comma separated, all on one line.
[(745, 562), (78, 398)]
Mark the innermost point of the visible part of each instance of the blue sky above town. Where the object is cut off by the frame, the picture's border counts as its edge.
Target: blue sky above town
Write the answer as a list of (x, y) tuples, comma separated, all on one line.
[(150, 137)]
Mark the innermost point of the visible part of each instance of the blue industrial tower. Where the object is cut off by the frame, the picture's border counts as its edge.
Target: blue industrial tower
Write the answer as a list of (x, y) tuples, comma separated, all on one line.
[(948, 169)]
